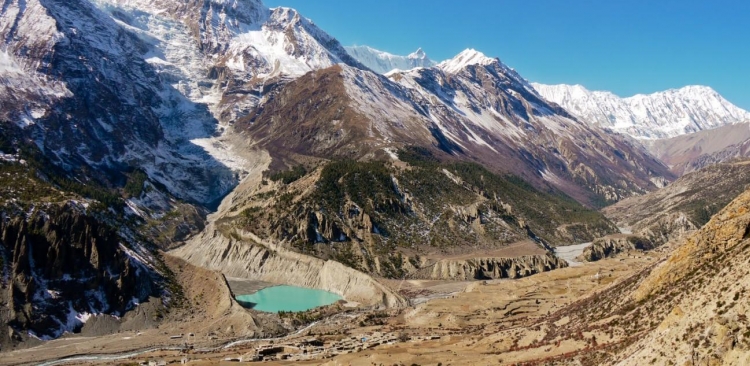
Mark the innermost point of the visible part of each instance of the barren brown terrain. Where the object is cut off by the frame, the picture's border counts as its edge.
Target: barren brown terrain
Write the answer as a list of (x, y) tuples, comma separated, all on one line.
[(491, 320), (684, 303)]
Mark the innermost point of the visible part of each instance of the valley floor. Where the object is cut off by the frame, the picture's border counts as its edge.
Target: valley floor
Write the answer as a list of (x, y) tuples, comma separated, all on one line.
[(469, 322)]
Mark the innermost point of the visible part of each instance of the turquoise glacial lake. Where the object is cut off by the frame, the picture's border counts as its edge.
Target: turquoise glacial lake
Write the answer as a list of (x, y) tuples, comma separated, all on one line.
[(287, 298)]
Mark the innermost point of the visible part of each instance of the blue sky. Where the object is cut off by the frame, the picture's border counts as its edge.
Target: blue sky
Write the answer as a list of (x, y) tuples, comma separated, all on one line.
[(627, 47)]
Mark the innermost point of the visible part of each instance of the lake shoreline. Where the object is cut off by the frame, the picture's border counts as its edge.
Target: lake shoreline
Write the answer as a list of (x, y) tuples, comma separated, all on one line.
[(287, 298), (242, 286)]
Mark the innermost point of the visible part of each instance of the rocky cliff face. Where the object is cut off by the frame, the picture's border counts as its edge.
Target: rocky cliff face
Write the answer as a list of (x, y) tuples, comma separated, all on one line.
[(103, 109), (62, 266), (68, 251), (609, 246), (228, 55), (489, 268), (244, 257)]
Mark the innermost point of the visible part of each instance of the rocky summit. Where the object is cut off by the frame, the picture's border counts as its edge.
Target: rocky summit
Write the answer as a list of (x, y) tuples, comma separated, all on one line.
[(160, 160)]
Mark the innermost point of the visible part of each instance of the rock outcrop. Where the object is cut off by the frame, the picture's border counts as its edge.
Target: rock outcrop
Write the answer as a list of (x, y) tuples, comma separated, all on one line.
[(728, 229), (246, 257), (490, 268), (611, 245), (62, 266), (702, 287)]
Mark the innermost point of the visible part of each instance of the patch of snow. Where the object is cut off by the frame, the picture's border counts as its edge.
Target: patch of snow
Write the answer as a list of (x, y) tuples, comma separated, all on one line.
[(8, 65), (222, 152), (25, 121), (140, 258), (133, 209), (37, 113), (318, 236), (551, 177), (83, 317), (157, 61), (452, 177), (83, 205), (9, 157), (392, 154)]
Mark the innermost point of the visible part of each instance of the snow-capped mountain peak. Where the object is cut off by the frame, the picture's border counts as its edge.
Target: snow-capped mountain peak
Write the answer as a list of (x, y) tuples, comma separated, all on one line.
[(662, 114), (384, 62), (467, 57), (190, 65), (419, 54)]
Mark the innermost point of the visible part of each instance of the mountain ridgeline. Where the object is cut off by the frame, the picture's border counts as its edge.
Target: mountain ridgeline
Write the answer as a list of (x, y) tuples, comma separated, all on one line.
[(197, 69), (688, 153), (660, 115), (472, 108)]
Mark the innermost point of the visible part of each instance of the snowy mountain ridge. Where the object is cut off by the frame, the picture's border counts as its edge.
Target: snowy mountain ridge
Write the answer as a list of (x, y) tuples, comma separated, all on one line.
[(389, 64), (470, 107), (191, 66), (199, 66), (240, 44), (383, 62), (659, 115), (467, 57)]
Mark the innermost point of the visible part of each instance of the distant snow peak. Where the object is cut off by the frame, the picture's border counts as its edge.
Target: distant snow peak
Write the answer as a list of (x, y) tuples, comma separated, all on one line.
[(383, 62), (419, 54), (659, 115), (466, 58)]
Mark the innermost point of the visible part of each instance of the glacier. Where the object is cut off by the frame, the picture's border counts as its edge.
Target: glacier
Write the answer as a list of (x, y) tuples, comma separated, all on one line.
[(383, 62)]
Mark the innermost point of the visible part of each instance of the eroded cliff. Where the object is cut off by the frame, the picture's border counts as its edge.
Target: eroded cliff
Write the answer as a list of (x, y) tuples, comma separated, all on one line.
[(611, 245), (490, 268), (245, 257), (63, 266)]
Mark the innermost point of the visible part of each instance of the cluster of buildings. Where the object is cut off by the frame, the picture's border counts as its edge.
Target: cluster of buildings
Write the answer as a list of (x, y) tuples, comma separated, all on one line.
[(314, 348), (303, 349)]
